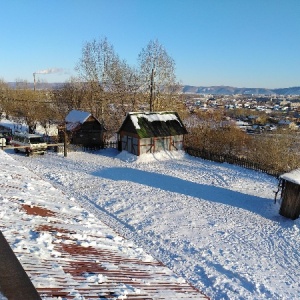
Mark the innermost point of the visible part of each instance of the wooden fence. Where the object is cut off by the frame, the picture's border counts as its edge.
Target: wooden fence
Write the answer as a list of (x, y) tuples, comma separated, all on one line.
[(110, 145), (76, 148), (242, 162), (202, 153)]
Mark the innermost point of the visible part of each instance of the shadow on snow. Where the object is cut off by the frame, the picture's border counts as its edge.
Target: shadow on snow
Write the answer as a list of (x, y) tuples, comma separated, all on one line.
[(257, 205)]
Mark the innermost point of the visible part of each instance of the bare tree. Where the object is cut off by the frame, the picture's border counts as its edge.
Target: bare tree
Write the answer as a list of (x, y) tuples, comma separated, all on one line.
[(95, 69), (122, 93), (111, 85), (24, 104), (4, 97), (73, 94), (157, 74)]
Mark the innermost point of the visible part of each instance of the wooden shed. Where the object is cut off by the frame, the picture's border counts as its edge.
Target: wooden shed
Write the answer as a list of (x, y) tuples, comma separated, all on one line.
[(84, 129), (149, 132), (290, 194)]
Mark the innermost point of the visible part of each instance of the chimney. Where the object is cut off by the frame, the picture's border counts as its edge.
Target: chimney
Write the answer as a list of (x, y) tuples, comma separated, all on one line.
[(34, 81)]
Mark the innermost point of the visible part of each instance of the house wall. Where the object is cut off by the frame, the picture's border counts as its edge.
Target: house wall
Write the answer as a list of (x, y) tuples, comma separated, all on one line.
[(90, 134), (178, 141), (290, 205), (132, 144), (169, 143)]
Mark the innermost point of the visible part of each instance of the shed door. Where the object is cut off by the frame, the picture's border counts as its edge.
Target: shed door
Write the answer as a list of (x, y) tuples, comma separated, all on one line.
[(129, 144)]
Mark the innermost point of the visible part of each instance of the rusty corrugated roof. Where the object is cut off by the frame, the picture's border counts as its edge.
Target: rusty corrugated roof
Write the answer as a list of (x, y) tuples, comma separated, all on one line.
[(68, 253)]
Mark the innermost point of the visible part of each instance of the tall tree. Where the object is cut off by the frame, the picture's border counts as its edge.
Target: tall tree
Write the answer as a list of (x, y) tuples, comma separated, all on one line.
[(111, 85), (157, 73), (71, 95), (24, 105), (4, 97), (95, 69)]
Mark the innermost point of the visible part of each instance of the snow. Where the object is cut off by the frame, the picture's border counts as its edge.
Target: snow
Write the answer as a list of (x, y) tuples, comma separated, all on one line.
[(2, 297), (70, 226), (22, 127), (215, 225), (293, 176), (77, 116), (152, 117)]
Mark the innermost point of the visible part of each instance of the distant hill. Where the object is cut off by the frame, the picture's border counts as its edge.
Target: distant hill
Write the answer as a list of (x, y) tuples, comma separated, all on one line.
[(189, 89), (229, 90)]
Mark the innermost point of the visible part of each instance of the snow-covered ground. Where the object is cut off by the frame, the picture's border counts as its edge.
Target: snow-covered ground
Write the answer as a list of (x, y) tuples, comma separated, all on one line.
[(2, 297), (68, 252), (216, 225)]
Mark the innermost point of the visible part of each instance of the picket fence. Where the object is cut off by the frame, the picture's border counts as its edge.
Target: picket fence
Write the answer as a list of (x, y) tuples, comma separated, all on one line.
[(81, 148), (225, 158)]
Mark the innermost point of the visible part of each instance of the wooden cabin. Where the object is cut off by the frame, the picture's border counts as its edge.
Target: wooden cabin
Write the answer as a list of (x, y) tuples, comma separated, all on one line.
[(290, 194), (149, 132), (83, 128)]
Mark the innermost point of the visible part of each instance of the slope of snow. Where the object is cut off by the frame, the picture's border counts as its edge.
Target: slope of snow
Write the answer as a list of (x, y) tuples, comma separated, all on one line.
[(68, 252), (215, 225)]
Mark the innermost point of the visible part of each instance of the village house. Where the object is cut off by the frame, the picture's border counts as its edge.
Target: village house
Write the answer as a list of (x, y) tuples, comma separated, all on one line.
[(149, 132), (82, 128)]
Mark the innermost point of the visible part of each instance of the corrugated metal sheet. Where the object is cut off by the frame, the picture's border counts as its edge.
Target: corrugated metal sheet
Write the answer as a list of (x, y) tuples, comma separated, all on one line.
[(106, 268)]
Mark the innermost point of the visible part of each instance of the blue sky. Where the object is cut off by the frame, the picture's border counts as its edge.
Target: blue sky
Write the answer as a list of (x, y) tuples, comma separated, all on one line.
[(242, 43)]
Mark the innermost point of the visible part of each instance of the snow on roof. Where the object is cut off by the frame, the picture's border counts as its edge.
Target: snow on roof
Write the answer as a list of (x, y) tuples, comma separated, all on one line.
[(153, 116), (72, 126), (69, 252), (293, 176), (77, 116)]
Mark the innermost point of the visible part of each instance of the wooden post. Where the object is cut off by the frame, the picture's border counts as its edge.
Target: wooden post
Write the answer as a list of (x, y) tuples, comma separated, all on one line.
[(65, 141)]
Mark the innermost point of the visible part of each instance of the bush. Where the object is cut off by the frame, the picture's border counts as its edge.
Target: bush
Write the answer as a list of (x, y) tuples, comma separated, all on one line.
[(277, 153), (221, 140)]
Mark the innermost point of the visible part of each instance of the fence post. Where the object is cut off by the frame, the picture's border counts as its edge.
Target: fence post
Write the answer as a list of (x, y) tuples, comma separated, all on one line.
[(65, 141)]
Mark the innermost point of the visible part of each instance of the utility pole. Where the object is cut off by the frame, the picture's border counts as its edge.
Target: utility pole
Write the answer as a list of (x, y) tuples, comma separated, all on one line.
[(151, 90)]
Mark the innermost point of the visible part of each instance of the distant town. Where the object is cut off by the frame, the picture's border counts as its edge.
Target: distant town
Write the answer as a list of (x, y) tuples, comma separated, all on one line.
[(252, 113)]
